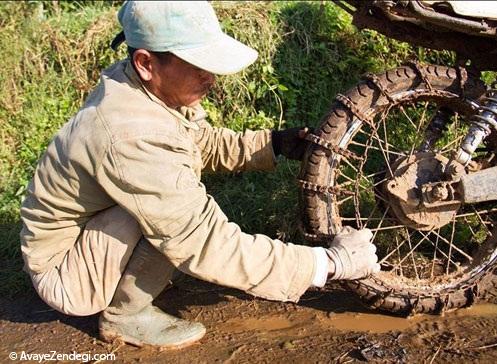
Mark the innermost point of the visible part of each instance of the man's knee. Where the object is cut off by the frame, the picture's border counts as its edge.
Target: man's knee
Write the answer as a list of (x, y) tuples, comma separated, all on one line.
[(50, 288), (115, 222), (86, 279)]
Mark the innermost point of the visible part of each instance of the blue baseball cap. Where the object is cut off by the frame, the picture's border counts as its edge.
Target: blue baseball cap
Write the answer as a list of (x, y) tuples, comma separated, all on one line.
[(188, 29)]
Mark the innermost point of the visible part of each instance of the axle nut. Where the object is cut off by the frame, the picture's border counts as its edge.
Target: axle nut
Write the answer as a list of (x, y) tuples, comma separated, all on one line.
[(440, 193)]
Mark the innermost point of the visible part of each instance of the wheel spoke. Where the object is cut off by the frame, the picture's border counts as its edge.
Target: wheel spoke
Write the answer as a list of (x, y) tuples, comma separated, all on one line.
[(380, 182), (368, 219), (468, 224), (385, 138), (389, 254), (450, 246), (346, 177), (434, 256), (416, 246), (387, 161), (387, 228), (381, 222), (343, 201), (400, 154), (398, 253), (423, 116), (376, 174), (357, 210), (436, 245), (415, 141), (425, 237), (478, 213), (445, 149), (481, 220), (351, 181), (401, 107), (411, 253), (390, 146), (454, 246), (350, 165)]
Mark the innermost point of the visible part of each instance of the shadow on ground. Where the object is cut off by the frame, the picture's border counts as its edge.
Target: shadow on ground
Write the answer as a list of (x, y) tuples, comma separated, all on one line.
[(187, 295)]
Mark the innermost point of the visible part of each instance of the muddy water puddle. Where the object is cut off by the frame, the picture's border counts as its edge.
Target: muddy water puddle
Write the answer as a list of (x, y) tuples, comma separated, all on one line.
[(271, 323), (378, 323), (296, 322)]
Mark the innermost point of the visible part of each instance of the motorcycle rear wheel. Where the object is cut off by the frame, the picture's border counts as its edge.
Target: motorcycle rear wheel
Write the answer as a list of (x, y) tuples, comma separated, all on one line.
[(360, 142)]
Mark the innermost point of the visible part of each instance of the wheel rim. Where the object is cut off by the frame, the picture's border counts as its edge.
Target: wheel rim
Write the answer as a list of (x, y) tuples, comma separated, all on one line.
[(431, 260)]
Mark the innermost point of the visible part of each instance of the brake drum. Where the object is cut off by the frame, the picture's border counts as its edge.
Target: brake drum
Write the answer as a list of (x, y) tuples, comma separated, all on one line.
[(404, 193)]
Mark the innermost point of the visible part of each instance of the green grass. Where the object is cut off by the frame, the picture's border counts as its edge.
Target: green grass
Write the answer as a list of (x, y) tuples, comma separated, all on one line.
[(53, 52)]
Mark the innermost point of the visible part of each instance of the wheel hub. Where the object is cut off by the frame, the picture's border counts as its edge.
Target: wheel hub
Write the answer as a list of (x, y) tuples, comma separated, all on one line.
[(404, 191)]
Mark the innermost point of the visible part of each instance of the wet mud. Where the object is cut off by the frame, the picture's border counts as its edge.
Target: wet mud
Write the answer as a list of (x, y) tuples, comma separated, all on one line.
[(327, 326)]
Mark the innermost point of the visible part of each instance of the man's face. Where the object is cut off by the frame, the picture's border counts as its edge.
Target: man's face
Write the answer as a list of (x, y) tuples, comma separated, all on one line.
[(179, 83)]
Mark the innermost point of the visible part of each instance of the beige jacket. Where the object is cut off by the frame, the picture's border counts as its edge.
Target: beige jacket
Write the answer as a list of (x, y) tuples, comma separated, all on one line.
[(126, 147)]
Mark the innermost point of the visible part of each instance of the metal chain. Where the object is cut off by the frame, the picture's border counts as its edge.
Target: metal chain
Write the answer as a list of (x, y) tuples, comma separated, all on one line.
[(310, 186), (331, 147), (349, 104), (467, 287), (375, 80), (421, 71), (317, 237)]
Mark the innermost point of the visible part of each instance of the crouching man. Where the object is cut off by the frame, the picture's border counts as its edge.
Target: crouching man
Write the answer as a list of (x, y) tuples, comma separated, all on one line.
[(116, 205)]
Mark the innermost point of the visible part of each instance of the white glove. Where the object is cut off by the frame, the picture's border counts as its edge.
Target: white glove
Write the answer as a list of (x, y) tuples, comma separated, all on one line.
[(352, 254)]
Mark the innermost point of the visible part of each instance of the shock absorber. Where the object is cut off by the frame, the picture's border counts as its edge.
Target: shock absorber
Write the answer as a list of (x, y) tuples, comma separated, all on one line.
[(437, 126), (481, 124)]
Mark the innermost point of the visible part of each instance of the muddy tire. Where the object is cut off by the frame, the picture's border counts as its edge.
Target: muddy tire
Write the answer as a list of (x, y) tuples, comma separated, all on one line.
[(328, 183)]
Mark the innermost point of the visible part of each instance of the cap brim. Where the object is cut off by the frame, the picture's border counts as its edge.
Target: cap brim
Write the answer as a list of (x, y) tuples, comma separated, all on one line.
[(225, 56)]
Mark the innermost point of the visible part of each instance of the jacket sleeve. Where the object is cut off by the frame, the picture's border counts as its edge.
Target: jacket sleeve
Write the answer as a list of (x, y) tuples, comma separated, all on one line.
[(153, 179), (224, 150)]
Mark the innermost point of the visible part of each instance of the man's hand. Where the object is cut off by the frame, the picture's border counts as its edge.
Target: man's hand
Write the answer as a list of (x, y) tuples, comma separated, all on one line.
[(352, 255), (290, 142)]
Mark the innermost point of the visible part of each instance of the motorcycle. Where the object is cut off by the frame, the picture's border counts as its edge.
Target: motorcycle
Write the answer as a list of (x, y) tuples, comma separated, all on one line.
[(411, 154)]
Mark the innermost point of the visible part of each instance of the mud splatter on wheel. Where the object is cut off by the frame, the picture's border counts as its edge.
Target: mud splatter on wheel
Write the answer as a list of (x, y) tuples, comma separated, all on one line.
[(432, 260)]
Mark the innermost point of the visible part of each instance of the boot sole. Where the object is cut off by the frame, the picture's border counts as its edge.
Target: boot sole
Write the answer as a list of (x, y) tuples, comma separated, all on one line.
[(110, 336)]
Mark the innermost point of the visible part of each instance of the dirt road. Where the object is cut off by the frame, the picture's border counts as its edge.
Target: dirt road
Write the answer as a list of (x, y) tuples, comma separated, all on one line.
[(326, 326)]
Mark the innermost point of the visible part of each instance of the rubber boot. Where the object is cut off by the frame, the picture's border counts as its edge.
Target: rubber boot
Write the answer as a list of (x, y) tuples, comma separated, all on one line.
[(132, 318)]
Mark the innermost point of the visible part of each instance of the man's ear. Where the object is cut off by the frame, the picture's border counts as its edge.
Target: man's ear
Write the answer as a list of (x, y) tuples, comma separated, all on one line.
[(142, 59)]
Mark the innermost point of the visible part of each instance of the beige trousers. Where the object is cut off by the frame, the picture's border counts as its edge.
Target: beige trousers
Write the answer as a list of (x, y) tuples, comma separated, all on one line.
[(85, 282)]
